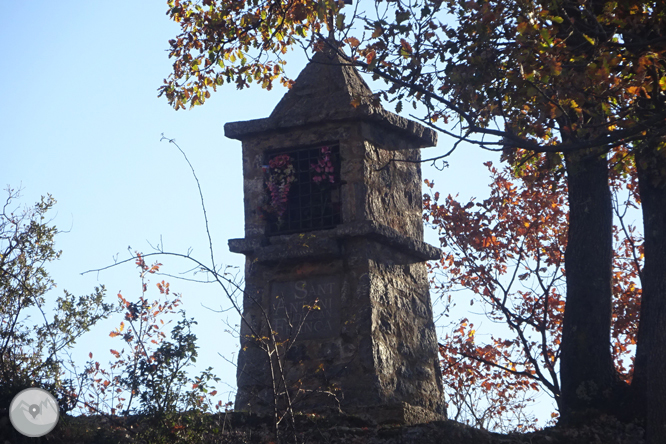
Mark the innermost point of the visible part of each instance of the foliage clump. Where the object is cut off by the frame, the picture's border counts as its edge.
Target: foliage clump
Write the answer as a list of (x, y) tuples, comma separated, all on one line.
[(37, 328)]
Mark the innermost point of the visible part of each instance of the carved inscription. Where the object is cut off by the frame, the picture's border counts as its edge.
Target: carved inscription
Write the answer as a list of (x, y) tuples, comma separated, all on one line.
[(308, 307)]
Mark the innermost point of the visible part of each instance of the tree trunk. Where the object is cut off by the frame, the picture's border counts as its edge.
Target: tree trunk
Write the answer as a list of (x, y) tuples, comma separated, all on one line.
[(589, 379), (650, 365)]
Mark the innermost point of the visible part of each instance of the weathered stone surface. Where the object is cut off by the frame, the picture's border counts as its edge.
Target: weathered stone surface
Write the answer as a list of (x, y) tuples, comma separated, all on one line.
[(349, 306), (307, 308)]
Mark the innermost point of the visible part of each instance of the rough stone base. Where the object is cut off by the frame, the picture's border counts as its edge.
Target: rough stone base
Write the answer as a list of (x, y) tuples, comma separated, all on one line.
[(397, 413), (241, 428)]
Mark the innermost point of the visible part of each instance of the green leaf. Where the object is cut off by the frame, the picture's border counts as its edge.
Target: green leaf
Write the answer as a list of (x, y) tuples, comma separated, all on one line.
[(340, 21), (546, 36), (401, 16)]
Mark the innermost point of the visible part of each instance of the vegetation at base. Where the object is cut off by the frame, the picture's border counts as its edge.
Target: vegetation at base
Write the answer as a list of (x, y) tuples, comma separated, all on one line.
[(151, 373), (240, 428)]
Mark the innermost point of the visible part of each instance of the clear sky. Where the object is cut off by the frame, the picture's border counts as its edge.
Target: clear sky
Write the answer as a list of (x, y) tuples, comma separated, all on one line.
[(81, 120)]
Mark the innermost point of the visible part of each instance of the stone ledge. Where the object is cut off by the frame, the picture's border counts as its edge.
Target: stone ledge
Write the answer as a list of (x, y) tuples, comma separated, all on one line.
[(310, 248), (424, 137), (324, 243)]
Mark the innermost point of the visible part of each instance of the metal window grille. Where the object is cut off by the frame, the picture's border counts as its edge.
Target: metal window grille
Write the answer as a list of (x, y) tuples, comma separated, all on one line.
[(311, 204)]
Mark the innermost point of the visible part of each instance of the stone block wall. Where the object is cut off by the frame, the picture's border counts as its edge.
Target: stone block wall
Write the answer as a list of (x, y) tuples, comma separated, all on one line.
[(370, 340)]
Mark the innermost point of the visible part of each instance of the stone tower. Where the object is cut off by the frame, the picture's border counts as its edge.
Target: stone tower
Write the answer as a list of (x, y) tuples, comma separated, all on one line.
[(335, 260)]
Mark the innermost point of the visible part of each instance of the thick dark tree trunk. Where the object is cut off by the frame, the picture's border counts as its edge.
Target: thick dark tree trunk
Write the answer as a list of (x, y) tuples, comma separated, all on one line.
[(649, 380), (589, 379)]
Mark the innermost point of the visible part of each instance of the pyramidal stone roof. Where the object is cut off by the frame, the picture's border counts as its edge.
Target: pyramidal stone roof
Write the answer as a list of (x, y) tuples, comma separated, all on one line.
[(324, 90), (329, 89)]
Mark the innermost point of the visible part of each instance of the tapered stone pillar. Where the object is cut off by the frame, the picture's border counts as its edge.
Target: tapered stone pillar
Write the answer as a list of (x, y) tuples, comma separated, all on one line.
[(335, 260)]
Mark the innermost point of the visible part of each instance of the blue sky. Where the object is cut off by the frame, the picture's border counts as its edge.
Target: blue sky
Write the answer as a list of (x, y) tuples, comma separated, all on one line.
[(81, 120)]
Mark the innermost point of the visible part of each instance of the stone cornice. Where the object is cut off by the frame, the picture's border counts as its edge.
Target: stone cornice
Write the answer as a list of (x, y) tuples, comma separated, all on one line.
[(322, 244), (424, 137)]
